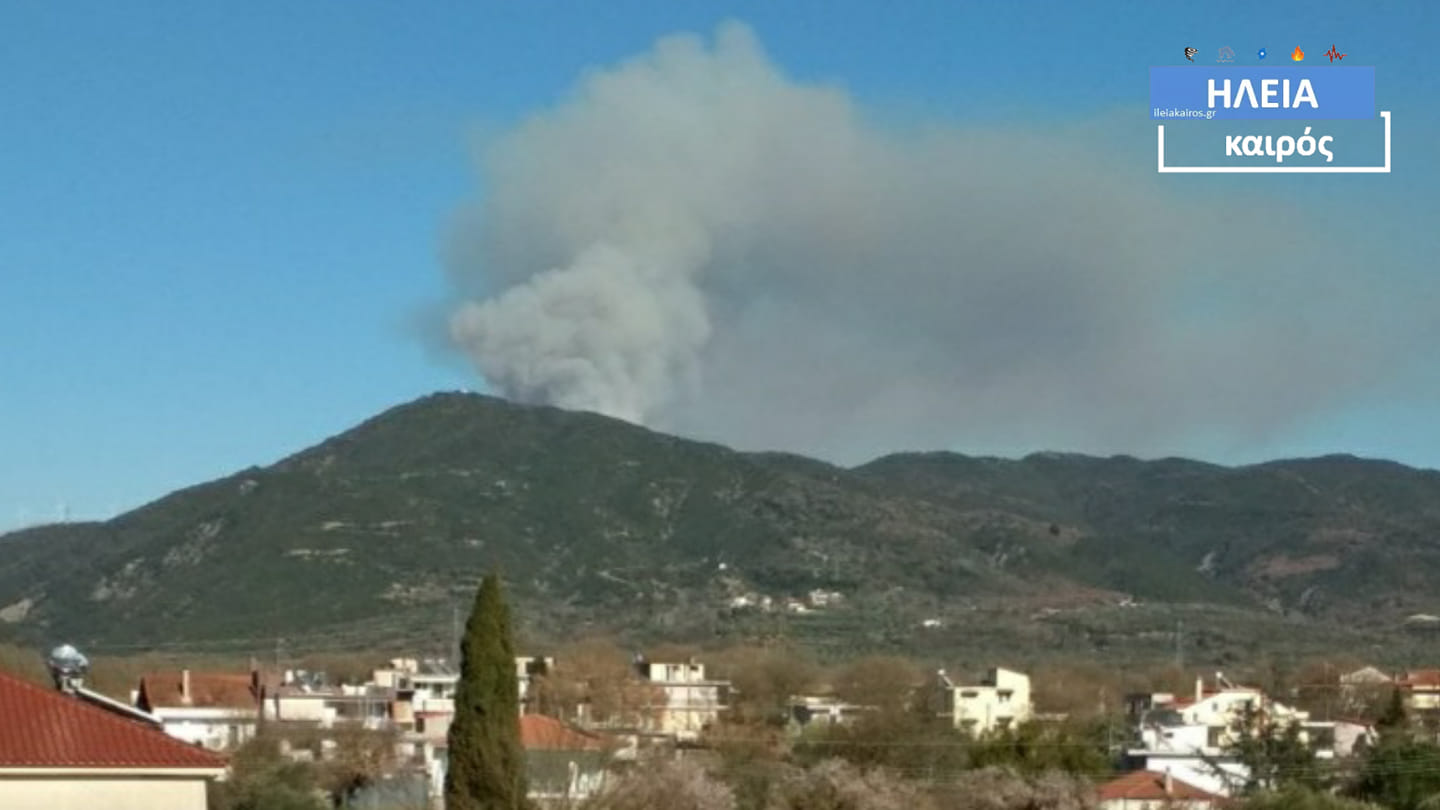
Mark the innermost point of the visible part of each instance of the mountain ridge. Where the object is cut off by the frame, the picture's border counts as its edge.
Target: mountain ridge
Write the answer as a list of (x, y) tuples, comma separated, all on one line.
[(607, 527)]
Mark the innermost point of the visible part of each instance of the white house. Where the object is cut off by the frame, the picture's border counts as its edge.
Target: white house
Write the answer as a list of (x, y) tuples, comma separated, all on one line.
[(1190, 737), (305, 697), (59, 749), (431, 682), (1001, 700), (688, 701), (216, 710)]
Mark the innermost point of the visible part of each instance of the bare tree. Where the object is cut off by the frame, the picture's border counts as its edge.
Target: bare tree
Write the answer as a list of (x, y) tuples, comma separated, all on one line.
[(765, 679), (672, 785), (837, 785), (1002, 789), (596, 679), (885, 682)]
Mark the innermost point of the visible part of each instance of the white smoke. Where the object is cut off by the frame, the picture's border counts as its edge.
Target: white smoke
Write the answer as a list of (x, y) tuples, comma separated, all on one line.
[(696, 242)]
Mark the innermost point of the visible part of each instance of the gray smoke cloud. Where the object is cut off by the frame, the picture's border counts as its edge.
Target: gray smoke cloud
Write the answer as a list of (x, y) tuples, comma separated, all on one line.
[(696, 242)]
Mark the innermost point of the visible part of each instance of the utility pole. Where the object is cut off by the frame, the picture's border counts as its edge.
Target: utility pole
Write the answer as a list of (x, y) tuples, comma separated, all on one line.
[(1180, 644), (454, 634)]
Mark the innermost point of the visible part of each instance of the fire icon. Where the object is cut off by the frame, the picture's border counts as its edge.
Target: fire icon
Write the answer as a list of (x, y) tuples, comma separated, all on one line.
[(1299, 55)]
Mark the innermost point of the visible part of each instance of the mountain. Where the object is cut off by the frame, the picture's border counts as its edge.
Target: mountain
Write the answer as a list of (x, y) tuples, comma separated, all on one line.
[(378, 535)]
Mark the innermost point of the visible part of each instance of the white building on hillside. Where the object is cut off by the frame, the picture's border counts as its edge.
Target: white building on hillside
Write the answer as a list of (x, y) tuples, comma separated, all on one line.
[(1000, 701)]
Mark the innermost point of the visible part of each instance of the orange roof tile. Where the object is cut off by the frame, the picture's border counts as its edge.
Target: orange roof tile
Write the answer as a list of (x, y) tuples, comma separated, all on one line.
[(1421, 677), (210, 690), (46, 728), (540, 733), (1150, 786)]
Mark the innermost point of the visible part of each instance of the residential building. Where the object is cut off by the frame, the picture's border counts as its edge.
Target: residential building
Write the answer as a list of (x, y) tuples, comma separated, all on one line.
[(1365, 690), (428, 685), (686, 702), (1191, 737), (999, 701), (1352, 737), (527, 670), (563, 764), (1148, 790), (216, 710), (306, 697), (814, 711), (60, 750), (1421, 692), (1366, 676), (431, 682)]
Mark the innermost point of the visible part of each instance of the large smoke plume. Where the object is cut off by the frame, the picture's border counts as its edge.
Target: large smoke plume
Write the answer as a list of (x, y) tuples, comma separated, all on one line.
[(696, 242)]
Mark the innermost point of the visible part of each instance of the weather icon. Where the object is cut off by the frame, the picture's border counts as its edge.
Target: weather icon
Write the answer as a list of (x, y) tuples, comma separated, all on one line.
[(1261, 53), (1190, 54), (1299, 55)]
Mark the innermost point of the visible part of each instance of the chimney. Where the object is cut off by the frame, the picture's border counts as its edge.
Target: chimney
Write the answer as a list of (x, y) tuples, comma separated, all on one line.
[(1199, 688), (1169, 785), (185, 687)]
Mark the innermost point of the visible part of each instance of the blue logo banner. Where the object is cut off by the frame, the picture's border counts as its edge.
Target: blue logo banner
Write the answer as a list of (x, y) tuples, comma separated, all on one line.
[(1276, 93)]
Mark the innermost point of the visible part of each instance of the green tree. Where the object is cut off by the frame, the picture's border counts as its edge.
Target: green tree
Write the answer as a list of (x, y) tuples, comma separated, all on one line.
[(1299, 798), (1275, 757), (262, 778), (1035, 747), (486, 769), (1393, 720), (1400, 773)]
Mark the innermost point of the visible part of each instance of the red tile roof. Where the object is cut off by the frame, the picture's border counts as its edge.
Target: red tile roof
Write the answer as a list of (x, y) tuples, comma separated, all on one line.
[(540, 733), (46, 728), (1150, 786), (208, 690), (1428, 678)]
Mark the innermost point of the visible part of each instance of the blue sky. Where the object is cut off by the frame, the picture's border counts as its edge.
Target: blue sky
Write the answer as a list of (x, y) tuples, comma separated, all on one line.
[(219, 220)]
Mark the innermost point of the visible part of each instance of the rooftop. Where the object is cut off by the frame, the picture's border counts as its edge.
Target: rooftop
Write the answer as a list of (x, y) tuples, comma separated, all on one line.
[(1150, 786), (540, 733), (46, 728), (210, 690)]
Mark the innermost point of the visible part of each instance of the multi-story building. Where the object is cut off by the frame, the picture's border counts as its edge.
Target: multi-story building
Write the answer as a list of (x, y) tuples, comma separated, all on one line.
[(1000, 701), (685, 702), (1192, 737)]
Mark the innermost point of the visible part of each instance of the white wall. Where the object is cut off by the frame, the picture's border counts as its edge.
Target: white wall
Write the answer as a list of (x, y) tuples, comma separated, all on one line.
[(101, 793), (1145, 804), (980, 709), (215, 730)]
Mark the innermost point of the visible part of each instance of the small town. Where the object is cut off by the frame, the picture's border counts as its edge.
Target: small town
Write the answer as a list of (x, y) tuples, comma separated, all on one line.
[(601, 731)]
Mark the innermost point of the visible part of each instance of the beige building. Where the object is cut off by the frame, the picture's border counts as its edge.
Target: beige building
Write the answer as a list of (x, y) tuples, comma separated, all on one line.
[(686, 702), (1421, 692), (1000, 701), (59, 750)]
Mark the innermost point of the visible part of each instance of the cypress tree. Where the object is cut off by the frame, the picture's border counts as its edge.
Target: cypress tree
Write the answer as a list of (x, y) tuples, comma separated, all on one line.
[(486, 769)]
